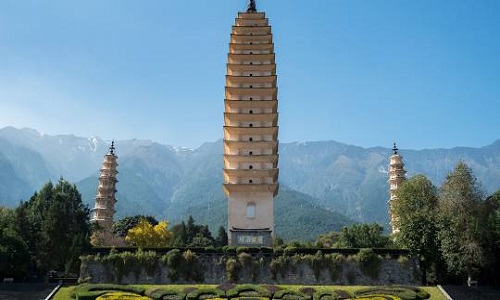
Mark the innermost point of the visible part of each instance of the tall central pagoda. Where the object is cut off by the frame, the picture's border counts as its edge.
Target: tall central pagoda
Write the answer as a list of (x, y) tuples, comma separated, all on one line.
[(251, 130)]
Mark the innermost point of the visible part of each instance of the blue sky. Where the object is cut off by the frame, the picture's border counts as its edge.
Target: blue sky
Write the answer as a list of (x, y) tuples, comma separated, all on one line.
[(425, 73)]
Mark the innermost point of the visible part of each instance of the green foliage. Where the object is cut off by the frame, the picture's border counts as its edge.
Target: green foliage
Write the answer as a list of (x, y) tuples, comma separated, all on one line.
[(185, 265), (463, 224), (92, 291), (288, 294), (294, 208), (232, 269), (173, 260), (362, 236), (166, 293), (325, 295), (402, 292), (206, 293), (368, 262), (53, 227), (14, 252), (121, 296), (248, 290), (317, 262), (335, 263), (122, 226), (221, 239), (191, 267), (417, 209), (192, 235)]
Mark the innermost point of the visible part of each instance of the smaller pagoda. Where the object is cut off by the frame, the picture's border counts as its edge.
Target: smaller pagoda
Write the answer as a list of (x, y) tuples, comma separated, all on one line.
[(396, 178), (105, 200)]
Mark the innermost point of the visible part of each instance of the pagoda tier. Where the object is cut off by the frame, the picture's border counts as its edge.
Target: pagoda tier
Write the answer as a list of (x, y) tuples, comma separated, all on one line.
[(104, 208), (396, 178), (251, 130)]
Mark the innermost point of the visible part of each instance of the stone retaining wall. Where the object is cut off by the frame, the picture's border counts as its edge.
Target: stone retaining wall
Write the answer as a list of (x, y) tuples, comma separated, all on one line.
[(260, 269)]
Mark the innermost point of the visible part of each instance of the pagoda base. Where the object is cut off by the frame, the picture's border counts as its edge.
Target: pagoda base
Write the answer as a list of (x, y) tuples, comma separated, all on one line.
[(251, 237)]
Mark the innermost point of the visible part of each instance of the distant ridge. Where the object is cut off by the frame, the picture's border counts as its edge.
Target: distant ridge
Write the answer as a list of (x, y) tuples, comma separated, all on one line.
[(328, 178)]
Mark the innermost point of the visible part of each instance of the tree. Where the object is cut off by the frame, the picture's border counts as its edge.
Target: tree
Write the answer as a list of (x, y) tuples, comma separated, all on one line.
[(191, 235), (55, 224), (179, 235), (362, 236), (327, 240), (416, 207), (121, 227), (463, 223), (493, 212), (147, 235), (221, 239), (14, 255)]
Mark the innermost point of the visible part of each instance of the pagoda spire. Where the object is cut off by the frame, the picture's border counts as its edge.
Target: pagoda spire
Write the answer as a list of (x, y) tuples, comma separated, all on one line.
[(112, 148), (395, 149), (251, 6)]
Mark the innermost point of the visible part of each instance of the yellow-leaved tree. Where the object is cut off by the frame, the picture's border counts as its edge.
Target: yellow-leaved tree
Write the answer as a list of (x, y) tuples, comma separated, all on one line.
[(146, 235)]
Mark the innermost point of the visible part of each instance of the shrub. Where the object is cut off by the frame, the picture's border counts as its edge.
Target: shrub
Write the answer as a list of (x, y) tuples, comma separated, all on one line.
[(121, 296), (291, 295), (166, 294), (402, 292), (245, 259), (335, 262), (325, 295), (317, 262), (242, 249), (290, 250), (173, 260), (148, 260), (248, 290), (368, 262), (206, 293), (232, 269), (92, 291), (191, 267), (279, 264)]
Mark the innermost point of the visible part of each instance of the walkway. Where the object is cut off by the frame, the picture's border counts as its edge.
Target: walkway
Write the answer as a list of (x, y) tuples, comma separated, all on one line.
[(477, 293), (24, 291)]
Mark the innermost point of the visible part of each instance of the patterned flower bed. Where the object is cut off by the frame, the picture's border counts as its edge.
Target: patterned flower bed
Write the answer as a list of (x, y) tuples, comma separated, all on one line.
[(244, 292)]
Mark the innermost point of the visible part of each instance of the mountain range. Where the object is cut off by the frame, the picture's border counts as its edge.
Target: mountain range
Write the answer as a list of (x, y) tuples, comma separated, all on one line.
[(323, 185)]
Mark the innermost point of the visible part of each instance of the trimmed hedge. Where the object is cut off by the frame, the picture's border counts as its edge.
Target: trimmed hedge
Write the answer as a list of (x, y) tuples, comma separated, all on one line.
[(402, 292), (248, 290), (291, 295), (92, 291), (121, 296), (166, 294), (206, 293)]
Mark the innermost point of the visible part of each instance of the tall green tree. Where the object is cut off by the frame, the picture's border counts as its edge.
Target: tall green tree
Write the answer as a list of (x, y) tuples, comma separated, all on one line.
[(362, 236), (14, 255), (416, 209), (463, 223), (221, 239), (493, 211), (57, 225)]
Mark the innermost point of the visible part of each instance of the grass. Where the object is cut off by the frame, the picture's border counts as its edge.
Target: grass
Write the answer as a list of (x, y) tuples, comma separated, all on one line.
[(434, 292), (65, 293)]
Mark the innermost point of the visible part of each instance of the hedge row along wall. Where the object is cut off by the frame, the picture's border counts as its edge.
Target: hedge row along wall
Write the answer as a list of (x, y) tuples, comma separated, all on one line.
[(288, 266)]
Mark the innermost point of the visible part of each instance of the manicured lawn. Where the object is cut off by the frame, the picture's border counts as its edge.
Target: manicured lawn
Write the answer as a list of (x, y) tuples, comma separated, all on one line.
[(65, 293)]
